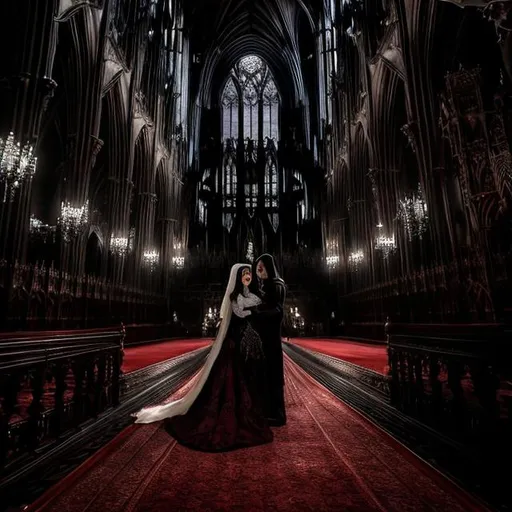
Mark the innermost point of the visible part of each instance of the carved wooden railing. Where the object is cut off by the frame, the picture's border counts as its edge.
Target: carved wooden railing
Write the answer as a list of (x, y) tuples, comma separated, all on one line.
[(38, 296), (51, 384), (453, 378)]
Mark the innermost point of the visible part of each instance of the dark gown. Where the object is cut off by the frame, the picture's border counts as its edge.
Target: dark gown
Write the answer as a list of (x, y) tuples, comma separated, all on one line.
[(228, 412)]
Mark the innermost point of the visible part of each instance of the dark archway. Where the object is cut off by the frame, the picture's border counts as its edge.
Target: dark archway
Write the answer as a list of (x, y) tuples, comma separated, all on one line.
[(93, 255)]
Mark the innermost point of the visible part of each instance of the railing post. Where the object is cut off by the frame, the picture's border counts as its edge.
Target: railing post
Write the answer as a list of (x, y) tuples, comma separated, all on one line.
[(392, 367), (121, 345)]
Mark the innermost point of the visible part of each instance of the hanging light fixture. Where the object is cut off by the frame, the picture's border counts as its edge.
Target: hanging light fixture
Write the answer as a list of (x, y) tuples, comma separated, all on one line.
[(151, 259), (131, 239), (386, 245), (73, 219), (250, 252), (332, 258), (412, 211), (41, 231), (17, 164), (178, 260), (119, 245), (355, 259)]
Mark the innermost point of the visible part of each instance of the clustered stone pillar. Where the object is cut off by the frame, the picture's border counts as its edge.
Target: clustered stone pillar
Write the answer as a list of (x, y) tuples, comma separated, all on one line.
[(119, 196), (29, 32), (166, 248), (73, 241), (144, 231)]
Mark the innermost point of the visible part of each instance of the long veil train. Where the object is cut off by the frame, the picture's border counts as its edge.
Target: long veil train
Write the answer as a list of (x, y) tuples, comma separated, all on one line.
[(180, 407)]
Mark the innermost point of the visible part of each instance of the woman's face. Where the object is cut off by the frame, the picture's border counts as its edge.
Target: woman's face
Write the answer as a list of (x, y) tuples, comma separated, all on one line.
[(246, 276), (261, 271)]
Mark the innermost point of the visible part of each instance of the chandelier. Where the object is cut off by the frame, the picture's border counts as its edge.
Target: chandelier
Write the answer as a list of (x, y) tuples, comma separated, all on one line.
[(250, 252), (131, 239), (73, 219), (151, 259), (39, 229), (332, 259), (355, 259), (385, 245), (178, 261), (210, 321), (17, 164), (412, 211), (297, 320), (119, 245)]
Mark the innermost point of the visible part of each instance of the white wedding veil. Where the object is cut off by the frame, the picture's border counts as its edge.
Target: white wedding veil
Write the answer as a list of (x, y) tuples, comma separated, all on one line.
[(180, 407)]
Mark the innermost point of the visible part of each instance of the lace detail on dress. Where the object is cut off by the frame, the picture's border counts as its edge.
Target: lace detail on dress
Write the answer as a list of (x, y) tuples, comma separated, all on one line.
[(244, 300), (250, 344)]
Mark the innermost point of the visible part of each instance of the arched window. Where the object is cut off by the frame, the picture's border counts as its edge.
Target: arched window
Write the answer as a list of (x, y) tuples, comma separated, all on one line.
[(328, 62), (299, 191), (271, 183), (250, 94), (230, 111)]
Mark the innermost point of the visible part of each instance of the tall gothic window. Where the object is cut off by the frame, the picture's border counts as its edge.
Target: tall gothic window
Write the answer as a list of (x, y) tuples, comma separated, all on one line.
[(229, 183), (250, 95), (271, 183), (230, 111), (328, 65), (299, 191)]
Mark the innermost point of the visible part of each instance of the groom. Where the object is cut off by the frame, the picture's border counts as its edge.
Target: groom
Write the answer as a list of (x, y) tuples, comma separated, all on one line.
[(268, 316)]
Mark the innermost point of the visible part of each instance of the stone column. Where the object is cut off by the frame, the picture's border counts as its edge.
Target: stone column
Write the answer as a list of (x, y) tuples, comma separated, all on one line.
[(118, 198), (144, 230), (28, 33), (166, 227), (74, 234), (422, 128)]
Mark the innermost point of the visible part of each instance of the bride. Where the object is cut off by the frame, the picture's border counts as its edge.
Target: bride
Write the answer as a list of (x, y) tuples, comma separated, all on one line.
[(224, 408)]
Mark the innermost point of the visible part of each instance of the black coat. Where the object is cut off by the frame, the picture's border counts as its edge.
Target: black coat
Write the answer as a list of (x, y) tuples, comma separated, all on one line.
[(267, 319)]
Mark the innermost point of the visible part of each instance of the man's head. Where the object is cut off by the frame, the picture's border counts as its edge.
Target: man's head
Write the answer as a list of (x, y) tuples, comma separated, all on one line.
[(261, 270), (265, 268)]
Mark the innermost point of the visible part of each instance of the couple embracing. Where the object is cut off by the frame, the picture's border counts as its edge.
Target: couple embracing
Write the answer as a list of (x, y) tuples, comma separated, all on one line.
[(238, 394)]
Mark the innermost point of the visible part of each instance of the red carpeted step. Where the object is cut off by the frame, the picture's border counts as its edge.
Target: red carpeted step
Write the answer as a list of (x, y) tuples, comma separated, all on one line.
[(145, 355), (372, 357), (327, 458)]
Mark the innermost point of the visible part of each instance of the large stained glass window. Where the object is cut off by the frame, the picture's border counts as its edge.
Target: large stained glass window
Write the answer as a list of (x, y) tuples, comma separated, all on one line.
[(251, 96), (229, 183)]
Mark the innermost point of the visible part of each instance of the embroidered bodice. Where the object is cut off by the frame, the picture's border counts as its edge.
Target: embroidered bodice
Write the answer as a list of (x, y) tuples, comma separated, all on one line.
[(246, 299)]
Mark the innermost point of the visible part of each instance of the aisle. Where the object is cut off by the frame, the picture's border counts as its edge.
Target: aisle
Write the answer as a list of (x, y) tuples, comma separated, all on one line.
[(371, 356), (144, 355), (327, 458)]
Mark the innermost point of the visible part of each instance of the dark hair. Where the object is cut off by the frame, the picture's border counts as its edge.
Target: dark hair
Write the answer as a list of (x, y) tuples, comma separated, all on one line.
[(239, 287)]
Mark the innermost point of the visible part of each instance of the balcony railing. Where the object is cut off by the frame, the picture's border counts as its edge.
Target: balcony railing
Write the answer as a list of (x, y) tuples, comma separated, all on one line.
[(51, 384)]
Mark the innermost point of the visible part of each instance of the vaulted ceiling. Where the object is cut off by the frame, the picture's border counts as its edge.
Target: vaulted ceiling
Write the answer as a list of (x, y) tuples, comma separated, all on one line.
[(223, 31)]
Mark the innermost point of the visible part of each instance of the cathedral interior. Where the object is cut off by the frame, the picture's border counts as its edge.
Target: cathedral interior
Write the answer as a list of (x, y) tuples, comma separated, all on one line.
[(148, 145)]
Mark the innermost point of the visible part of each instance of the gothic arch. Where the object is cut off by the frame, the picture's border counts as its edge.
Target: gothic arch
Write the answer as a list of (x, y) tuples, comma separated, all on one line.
[(94, 251), (142, 175)]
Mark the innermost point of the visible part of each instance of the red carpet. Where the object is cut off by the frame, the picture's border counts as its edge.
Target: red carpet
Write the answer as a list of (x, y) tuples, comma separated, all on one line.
[(328, 458), (372, 357), (144, 355)]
